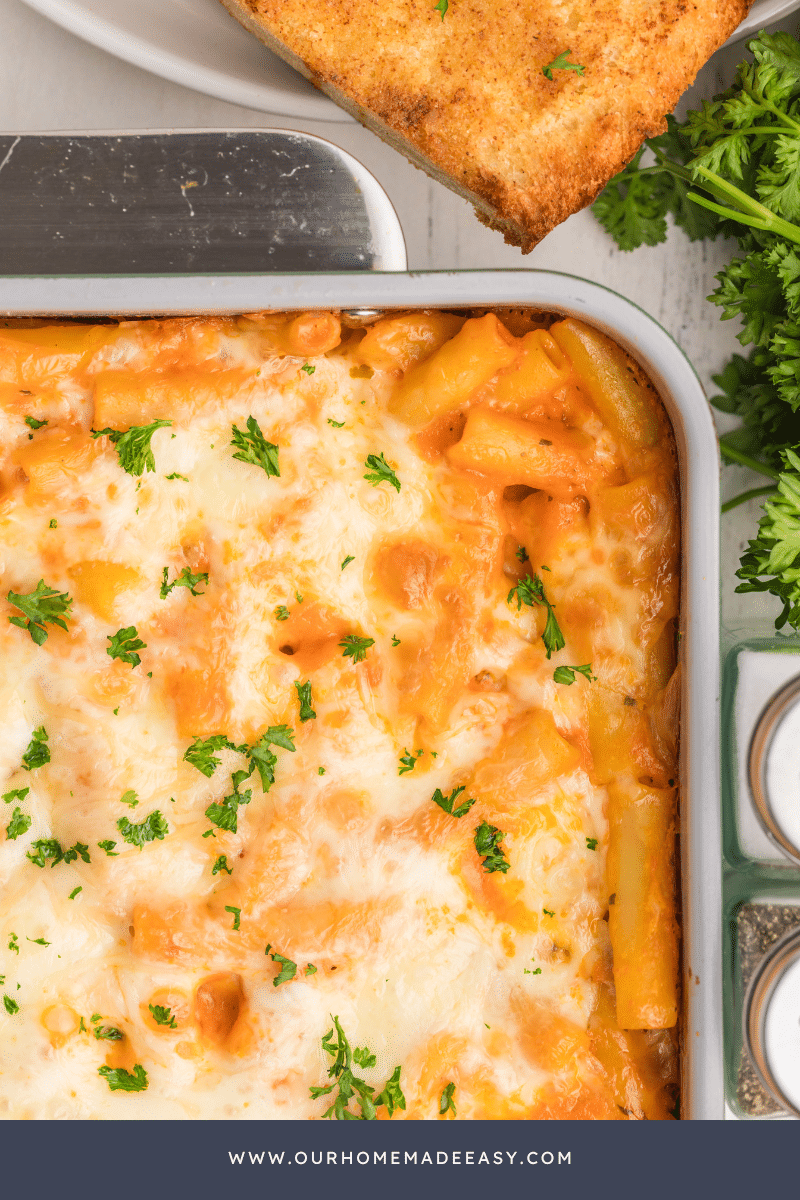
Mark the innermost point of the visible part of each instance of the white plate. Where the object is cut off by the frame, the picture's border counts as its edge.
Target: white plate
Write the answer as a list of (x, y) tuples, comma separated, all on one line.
[(197, 43)]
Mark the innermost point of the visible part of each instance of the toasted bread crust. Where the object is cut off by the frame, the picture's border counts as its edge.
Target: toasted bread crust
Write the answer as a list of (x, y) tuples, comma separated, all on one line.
[(466, 99)]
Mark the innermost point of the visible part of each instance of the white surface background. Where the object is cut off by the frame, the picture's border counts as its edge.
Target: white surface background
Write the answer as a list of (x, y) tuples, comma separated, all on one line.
[(53, 81)]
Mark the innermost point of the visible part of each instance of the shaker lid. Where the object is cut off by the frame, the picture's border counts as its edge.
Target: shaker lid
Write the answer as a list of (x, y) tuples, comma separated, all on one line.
[(774, 769), (772, 1021)]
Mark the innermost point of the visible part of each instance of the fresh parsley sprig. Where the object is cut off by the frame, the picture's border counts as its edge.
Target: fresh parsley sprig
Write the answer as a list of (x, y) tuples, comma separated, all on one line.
[(42, 606), (380, 472), (124, 644), (162, 1015), (350, 1087), (530, 591), (134, 451), (446, 802), (356, 647), (186, 579), (771, 562), (487, 844), (252, 447), (120, 1080)]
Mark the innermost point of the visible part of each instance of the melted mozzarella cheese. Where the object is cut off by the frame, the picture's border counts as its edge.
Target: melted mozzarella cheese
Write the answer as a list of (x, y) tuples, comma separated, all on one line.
[(490, 981)]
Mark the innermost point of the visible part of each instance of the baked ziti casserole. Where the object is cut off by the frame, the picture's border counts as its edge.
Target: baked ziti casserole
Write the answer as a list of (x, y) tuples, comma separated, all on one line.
[(340, 718)]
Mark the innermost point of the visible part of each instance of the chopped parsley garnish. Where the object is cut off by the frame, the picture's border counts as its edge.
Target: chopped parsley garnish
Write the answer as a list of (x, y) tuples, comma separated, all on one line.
[(38, 752), (20, 823), (395, 640), (591, 843), (548, 912), (13, 943), (151, 829), (407, 761), (34, 424), (536, 971), (307, 713), (522, 554), (321, 771), (442, 7), (346, 561), (336, 424), (446, 1102), (134, 451), (447, 802), (175, 475), (226, 815), (201, 752), (567, 674), (74, 893), (79, 850), (237, 914), (108, 1033), (130, 798), (562, 63), (298, 598), (530, 591), (261, 757), (288, 968), (356, 647), (41, 606), (350, 1087), (10, 1005), (162, 1016), (310, 969), (37, 941), (487, 839), (221, 864), (108, 846), (185, 579), (17, 794), (53, 523), (252, 447), (281, 613), (380, 472), (307, 367), (124, 644), (120, 1080), (45, 848)]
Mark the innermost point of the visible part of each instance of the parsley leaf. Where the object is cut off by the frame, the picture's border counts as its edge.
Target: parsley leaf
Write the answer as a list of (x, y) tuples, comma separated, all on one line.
[(346, 561), (41, 606), (336, 424), (124, 644), (134, 451), (34, 424), (442, 7), (446, 802), (201, 752), (407, 761), (130, 798), (282, 613), (237, 915), (13, 943), (307, 713), (185, 579), (221, 864), (288, 968), (562, 63), (38, 752), (350, 1087), (252, 447), (261, 757), (771, 562), (175, 475), (567, 674), (20, 823), (530, 591), (17, 794), (153, 828), (356, 647), (364, 1057), (74, 893), (120, 1080), (487, 839), (79, 850), (310, 969), (226, 815), (108, 846), (307, 367), (10, 1005), (591, 843), (522, 554), (37, 941), (380, 472), (108, 1033), (446, 1102), (162, 1016), (44, 849)]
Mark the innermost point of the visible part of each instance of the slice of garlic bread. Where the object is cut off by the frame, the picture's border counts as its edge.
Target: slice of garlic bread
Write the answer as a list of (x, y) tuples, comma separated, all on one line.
[(460, 87)]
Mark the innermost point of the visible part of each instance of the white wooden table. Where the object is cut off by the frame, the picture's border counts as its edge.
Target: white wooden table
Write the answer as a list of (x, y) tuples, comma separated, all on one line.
[(52, 81)]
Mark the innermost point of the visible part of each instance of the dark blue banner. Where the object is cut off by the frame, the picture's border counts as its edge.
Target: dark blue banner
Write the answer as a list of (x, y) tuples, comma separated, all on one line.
[(382, 1160)]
